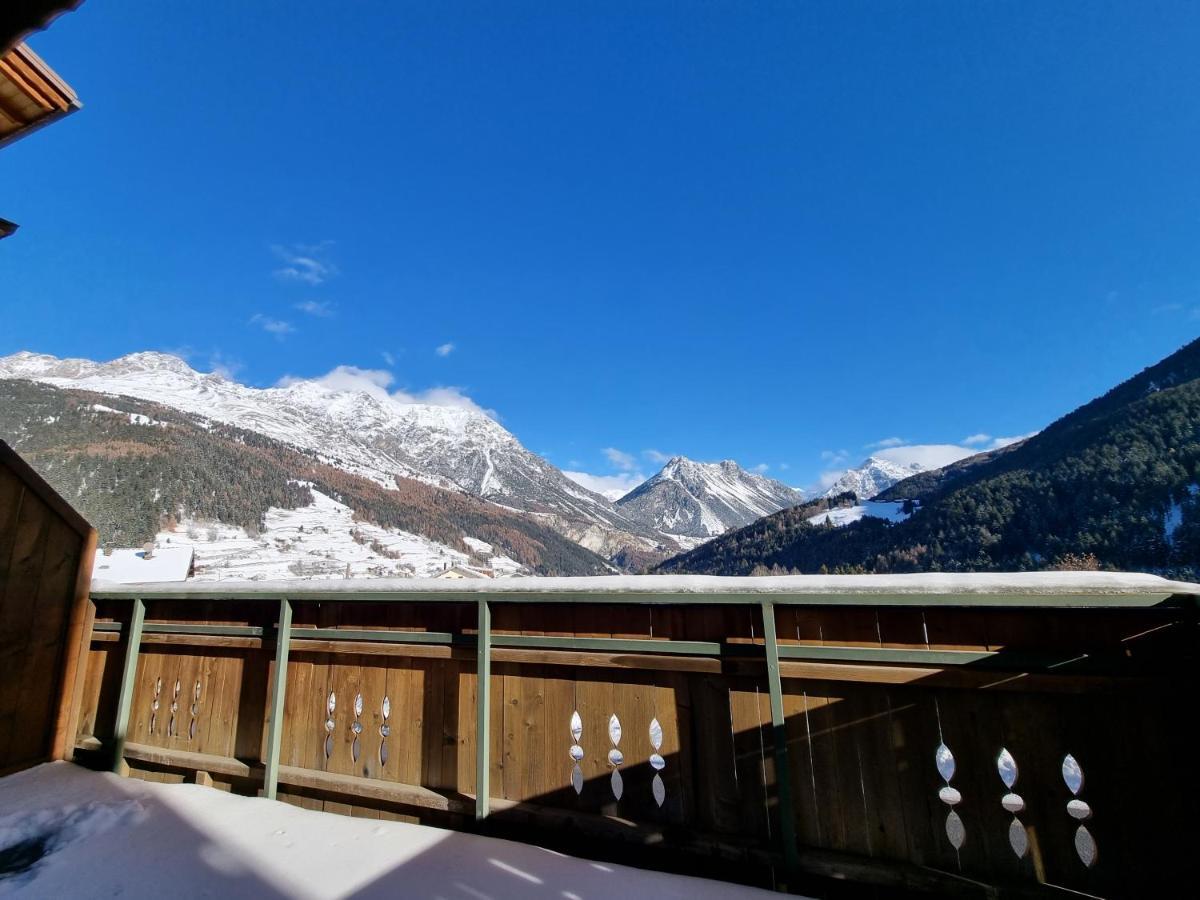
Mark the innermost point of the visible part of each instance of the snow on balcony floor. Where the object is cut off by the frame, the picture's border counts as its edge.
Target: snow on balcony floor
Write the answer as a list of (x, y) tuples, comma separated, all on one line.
[(105, 836)]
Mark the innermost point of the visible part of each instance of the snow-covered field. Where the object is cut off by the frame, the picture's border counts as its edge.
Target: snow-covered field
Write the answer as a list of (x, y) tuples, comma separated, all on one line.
[(318, 541), (107, 837), (892, 512)]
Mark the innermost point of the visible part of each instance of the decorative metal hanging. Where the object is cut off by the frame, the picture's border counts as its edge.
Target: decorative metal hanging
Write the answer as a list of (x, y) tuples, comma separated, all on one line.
[(1018, 837), (154, 704), (576, 752), (1079, 810), (330, 706), (195, 710), (956, 832), (356, 727), (615, 756), (385, 729), (174, 709), (657, 763)]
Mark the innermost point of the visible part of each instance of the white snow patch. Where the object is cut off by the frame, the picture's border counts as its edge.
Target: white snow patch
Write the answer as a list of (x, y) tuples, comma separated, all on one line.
[(477, 545), (842, 515), (875, 509), (124, 837), (312, 542), (134, 418)]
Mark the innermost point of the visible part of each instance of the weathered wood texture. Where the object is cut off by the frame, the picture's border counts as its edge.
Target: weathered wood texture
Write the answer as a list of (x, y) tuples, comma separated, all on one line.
[(46, 553), (1106, 686)]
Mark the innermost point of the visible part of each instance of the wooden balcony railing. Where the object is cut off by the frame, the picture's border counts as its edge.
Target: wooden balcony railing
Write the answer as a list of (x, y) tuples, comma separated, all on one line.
[(908, 731)]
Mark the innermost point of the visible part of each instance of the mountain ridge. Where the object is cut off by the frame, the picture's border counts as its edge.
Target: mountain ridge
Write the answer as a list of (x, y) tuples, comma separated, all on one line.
[(1112, 484), (364, 431), (129, 469), (701, 500)]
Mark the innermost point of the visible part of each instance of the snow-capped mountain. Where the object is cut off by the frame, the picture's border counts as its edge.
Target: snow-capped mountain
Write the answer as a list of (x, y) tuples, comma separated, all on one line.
[(363, 431), (872, 477), (701, 500)]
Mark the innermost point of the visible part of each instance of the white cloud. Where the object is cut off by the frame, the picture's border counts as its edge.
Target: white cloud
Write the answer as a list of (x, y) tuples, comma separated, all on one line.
[(826, 480), (224, 366), (656, 456), (620, 459), (835, 458), (305, 263), (388, 358), (444, 349), (999, 442), (761, 468), (448, 395), (783, 467), (986, 442), (928, 456), (377, 383), (886, 442), (277, 327), (613, 487), (322, 309)]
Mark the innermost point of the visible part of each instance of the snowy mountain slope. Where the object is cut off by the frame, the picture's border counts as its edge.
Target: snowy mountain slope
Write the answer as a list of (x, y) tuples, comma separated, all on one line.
[(700, 500), (321, 540), (364, 432), (871, 477), (133, 467)]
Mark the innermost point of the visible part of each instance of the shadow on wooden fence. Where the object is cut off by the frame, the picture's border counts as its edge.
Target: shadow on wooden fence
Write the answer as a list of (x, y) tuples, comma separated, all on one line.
[(869, 695)]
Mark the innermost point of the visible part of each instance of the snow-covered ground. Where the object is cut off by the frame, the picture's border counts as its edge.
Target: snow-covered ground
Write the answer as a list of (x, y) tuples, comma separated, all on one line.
[(318, 541), (876, 509), (108, 836)]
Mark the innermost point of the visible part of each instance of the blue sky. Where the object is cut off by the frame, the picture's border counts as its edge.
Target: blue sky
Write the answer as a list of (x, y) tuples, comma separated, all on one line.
[(774, 232)]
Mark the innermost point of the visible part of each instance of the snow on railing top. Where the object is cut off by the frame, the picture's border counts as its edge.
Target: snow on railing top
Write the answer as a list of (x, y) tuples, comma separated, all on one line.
[(691, 588)]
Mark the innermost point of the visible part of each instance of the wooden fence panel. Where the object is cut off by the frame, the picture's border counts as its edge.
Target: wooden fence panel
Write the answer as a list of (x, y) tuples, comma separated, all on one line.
[(46, 552), (862, 731)]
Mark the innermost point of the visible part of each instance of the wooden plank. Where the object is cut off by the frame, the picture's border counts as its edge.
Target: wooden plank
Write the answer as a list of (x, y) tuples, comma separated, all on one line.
[(78, 640), (41, 698), (594, 697), (18, 618), (451, 673)]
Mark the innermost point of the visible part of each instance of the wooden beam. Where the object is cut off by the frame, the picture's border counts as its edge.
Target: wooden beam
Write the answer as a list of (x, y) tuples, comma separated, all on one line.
[(610, 645), (186, 759), (783, 772), (133, 640), (77, 645), (278, 692), (483, 704)]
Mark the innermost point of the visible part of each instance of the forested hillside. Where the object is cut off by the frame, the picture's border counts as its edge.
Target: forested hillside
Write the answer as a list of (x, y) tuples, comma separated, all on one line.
[(130, 465), (1115, 484)]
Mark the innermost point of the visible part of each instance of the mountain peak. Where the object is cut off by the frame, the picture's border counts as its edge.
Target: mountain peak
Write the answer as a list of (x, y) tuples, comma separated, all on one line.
[(699, 499), (352, 421), (872, 476)]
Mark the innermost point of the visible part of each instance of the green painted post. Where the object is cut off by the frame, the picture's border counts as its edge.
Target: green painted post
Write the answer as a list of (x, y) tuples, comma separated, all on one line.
[(278, 693), (133, 644), (783, 774), (483, 708)]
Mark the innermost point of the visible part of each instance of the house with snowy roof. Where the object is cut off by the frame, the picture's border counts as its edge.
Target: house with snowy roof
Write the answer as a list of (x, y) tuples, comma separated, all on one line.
[(127, 565)]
